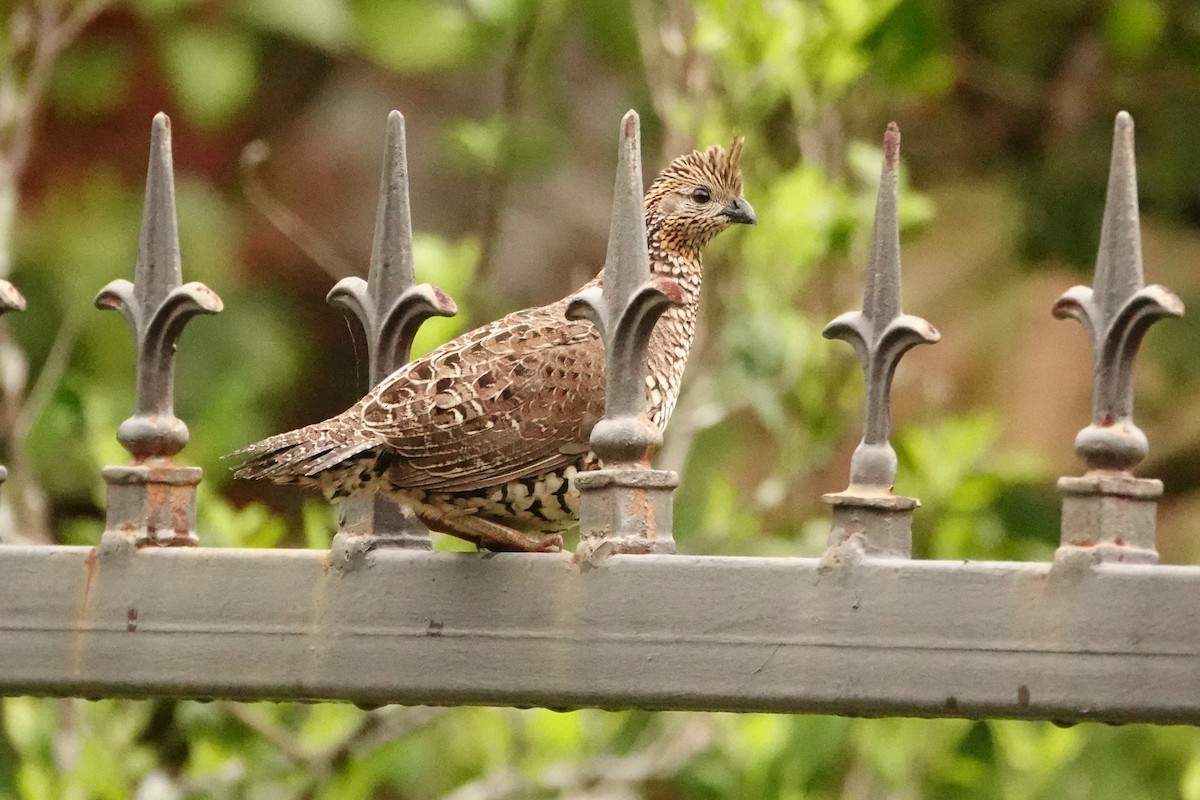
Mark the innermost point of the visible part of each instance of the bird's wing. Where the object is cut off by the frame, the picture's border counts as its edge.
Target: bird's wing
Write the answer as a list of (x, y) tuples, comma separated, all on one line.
[(511, 400)]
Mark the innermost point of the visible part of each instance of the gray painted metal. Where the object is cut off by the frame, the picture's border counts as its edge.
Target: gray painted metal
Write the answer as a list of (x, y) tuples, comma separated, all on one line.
[(867, 516), (1108, 514), (389, 307), (1116, 313), (626, 507), (1070, 642), (152, 501)]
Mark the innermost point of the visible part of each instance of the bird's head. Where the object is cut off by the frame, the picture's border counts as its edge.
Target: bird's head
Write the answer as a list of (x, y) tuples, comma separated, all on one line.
[(697, 196)]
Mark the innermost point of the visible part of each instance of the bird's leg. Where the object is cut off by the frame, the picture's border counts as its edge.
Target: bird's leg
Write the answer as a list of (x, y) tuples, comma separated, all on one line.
[(495, 537)]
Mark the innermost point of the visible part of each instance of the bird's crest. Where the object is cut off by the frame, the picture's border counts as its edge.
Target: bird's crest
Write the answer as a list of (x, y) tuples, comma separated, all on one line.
[(716, 167)]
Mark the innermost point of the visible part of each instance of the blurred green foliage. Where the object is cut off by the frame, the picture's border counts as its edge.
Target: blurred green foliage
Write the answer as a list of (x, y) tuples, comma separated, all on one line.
[(768, 414)]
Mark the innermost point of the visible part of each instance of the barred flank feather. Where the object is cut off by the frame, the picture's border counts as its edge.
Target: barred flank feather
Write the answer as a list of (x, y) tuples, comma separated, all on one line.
[(300, 456)]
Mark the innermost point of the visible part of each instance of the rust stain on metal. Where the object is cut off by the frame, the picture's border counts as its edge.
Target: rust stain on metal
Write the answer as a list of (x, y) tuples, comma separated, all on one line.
[(180, 502), (89, 572), (323, 620), (157, 496), (640, 508), (85, 613), (891, 147), (629, 126), (166, 500)]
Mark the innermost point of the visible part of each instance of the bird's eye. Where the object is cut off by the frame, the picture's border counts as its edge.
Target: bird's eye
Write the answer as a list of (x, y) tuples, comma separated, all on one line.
[(701, 195)]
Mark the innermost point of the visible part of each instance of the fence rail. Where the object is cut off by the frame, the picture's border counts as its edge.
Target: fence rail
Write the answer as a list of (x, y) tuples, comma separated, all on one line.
[(1101, 633), (1112, 642)]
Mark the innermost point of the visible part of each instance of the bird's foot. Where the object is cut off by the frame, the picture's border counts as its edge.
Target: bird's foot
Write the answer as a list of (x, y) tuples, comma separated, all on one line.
[(497, 538), (524, 543)]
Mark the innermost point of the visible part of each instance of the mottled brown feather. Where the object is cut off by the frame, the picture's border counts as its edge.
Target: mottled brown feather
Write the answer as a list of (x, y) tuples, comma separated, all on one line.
[(543, 386)]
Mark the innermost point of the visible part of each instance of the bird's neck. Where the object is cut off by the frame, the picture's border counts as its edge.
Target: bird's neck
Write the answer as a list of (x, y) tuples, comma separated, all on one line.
[(671, 258), (671, 341)]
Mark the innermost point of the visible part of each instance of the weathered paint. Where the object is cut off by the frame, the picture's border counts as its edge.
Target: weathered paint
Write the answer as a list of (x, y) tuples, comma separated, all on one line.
[(1108, 514), (867, 517), (1114, 642), (152, 502), (389, 307)]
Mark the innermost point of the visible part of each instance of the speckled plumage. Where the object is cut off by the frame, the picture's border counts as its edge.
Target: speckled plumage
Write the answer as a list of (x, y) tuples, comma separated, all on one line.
[(482, 437)]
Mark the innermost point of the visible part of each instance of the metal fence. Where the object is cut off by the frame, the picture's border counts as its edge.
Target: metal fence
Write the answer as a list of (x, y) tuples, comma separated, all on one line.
[(1103, 632)]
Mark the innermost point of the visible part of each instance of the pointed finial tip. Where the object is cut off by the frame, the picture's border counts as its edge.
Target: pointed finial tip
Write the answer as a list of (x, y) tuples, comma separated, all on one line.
[(891, 146), (160, 141), (1123, 137), (630, 124), (395, 126)]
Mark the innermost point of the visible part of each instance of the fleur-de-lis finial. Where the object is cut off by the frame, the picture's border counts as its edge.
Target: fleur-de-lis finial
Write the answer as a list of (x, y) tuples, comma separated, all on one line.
[(157, 307), (881, 333), (1108, 514), (388, 305), (1116, 312), (624, 311), (626, 506), (153, 501), (868, 519), (390, 309)]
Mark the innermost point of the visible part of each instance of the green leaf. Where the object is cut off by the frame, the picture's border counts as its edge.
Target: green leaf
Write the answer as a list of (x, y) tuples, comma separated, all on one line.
[(27, 723), (450, 266), (162, 9), (213, 71), (1189, 783), (414, 35), (92, 78), (222, 525), (326, 24), (1133, 27), (319, 523)]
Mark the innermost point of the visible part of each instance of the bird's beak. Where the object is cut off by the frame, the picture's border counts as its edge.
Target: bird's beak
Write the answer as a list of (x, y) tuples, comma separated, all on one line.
[(740, 211)]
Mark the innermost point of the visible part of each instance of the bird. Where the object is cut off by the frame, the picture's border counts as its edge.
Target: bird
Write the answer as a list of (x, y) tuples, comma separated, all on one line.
[(482, 438)]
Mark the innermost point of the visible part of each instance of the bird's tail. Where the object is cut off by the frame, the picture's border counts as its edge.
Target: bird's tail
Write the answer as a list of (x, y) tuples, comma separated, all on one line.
[(303, 455)]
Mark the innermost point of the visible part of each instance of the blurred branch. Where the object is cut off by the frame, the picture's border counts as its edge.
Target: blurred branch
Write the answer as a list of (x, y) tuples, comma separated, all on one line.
[(604, 776), (374, 728), (39, 30), (514, 104), (995, 81), (389, 724), (27, 499), (675, 73), (38, 33), (55, 366), (286, 221)]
